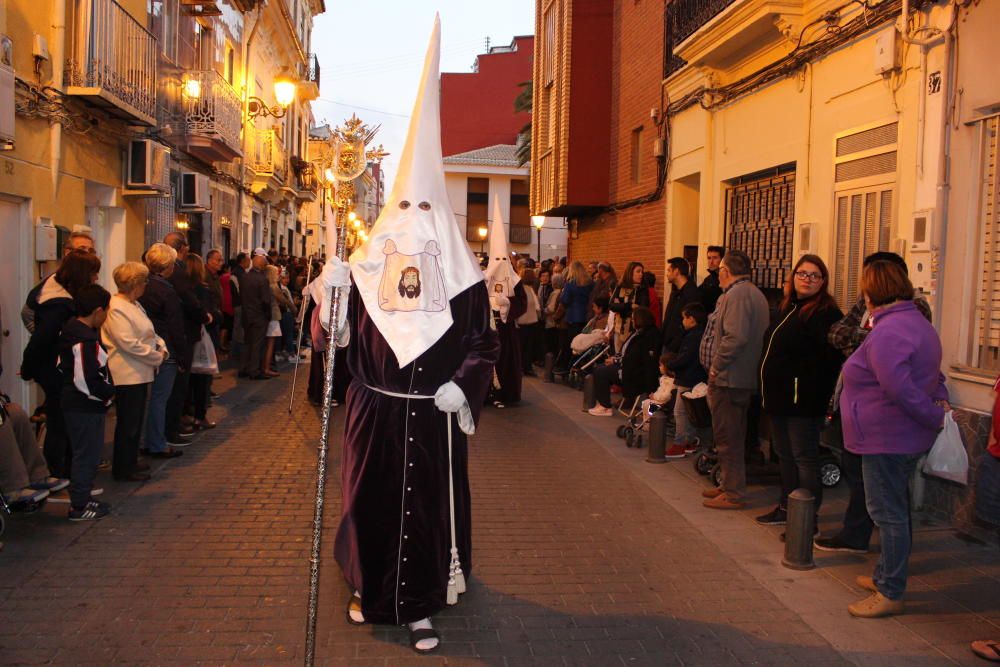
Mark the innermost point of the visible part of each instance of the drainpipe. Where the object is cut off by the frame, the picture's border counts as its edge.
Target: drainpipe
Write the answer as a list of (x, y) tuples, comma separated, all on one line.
[(58, 63), (940, 237), (934, 37), (243, 117)]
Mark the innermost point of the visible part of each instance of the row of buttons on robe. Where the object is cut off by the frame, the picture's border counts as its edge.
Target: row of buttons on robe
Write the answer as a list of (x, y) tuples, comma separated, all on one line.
[(409, 489)]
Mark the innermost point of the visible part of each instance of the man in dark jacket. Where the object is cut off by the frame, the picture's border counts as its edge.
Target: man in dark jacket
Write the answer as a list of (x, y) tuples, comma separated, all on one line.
[(682, 292), (710, 288), (195, 315), (255, 295)]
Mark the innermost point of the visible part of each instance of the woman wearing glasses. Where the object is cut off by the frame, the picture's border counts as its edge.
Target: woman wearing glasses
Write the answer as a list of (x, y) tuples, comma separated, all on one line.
[(798, 372)]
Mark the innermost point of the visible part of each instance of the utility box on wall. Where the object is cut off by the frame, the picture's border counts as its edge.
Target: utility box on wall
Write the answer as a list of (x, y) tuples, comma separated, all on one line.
[(46, 241)]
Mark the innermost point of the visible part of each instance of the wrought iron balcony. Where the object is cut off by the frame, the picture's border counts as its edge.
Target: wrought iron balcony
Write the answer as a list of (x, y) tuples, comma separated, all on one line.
[(520, 234), (310, 78), (682, 19), (212, 115), (267, 159), (306, 184), (112, 61)]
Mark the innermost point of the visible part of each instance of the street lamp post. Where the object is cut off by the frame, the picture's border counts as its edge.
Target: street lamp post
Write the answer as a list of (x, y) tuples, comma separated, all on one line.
[(482, 238), (538, 221)]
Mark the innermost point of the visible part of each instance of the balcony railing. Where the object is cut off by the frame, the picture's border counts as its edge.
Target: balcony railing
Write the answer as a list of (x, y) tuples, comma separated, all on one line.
[(215, 112), (310, 77), (681, 20), (267, 158), (112, 60)]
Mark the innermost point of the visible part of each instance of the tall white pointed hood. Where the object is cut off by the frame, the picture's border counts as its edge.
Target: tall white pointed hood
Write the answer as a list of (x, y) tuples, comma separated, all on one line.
[(416, 259), (499, 271)]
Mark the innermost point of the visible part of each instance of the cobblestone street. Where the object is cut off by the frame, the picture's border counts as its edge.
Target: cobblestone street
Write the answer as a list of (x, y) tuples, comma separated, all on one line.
[(584, 554)]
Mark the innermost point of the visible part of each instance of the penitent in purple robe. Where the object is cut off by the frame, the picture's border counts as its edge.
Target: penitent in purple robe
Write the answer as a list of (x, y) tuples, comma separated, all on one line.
[(394, 540), (509, 368)]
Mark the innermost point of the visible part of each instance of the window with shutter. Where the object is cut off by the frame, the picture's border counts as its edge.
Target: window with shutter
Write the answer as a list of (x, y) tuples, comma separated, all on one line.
[(985, 346), (864, 221), (865, 175)]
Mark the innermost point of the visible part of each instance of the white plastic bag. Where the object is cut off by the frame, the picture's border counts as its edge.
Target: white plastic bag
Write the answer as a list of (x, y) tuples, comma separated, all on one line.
[(947, 458), (204, 361)]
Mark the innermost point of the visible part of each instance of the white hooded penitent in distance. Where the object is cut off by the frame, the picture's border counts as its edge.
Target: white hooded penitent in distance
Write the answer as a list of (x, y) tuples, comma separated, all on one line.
[(415, 259), (500, 271)]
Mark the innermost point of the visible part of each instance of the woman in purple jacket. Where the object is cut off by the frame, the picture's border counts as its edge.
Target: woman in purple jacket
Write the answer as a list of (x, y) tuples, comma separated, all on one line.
[(892, 408)]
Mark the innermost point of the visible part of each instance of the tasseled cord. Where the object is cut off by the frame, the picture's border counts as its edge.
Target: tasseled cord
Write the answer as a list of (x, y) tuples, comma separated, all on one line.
[(456, 579)]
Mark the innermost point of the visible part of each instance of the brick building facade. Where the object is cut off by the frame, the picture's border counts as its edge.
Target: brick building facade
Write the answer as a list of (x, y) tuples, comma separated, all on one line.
[(633, 67)]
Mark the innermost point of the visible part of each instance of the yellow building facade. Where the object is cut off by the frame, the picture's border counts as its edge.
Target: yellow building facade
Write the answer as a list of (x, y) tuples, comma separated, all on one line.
[(133, 118)]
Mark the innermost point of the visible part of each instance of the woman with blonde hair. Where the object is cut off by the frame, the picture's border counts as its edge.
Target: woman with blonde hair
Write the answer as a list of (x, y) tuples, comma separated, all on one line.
[(163, 307), (135, 353), (576, 297), (274, 326)]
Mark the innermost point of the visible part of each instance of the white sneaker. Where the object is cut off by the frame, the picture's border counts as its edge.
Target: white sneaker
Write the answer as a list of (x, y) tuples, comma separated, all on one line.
[(601, 411)]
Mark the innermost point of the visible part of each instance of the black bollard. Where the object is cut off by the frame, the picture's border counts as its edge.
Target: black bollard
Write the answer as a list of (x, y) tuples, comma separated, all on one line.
[(589, 393), (799, 530), (550, 361), (657, 437)]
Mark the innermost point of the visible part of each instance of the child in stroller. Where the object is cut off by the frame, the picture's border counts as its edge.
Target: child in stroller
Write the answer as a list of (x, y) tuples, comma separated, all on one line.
[(642, 409)]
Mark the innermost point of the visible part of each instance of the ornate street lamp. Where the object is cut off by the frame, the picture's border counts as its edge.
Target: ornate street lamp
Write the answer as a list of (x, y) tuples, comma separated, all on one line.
[(284, 94), (538, 221), (482, 238)]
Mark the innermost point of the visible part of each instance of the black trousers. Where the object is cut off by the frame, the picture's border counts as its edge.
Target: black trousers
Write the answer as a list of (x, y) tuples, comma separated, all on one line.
[(858, 525), (252, 361), (57, 449), (130, 408), (175, 404), (604, 377), (201, 385), (86, 431)]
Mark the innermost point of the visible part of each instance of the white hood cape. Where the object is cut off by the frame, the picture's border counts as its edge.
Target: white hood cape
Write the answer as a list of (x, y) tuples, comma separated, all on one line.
[(416, 259)]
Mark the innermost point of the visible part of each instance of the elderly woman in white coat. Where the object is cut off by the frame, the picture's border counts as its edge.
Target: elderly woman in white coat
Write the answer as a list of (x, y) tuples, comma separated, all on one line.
[(135, 352)]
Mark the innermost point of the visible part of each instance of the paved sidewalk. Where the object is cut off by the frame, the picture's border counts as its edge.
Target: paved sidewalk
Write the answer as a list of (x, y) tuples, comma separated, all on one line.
[(583, 555)]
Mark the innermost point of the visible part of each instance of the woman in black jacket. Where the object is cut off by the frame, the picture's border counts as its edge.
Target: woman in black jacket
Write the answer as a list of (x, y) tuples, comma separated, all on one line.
[(630, 294), (163, 307), (798, 371), (637, 368), (52, 308)]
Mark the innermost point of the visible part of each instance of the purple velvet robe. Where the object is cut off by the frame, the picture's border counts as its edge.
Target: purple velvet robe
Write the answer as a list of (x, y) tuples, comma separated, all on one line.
[(509, 367), (394, 540)]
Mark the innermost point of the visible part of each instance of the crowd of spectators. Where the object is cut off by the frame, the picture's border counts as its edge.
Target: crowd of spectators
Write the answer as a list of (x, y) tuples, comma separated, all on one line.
[(150, 352), (791, 359)]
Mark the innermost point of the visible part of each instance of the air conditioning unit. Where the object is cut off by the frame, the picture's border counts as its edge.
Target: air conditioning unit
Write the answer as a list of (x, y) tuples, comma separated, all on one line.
[(195, 195), (6, 107), (147, 168)]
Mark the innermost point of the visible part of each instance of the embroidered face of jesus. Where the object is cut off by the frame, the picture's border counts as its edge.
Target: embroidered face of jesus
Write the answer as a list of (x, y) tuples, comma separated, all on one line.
[(409, 283)]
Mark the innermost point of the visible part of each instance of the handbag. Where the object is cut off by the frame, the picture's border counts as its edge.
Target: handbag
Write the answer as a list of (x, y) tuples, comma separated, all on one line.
[(948, 458), (204, 361)]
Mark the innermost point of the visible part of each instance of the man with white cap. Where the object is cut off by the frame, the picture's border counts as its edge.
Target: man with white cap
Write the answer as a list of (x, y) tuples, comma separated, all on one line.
[(509, 301), (420, 352)]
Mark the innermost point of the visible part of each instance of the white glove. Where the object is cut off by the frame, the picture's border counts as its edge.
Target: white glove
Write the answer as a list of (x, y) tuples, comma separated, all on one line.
[(336, 273), (449, 397)]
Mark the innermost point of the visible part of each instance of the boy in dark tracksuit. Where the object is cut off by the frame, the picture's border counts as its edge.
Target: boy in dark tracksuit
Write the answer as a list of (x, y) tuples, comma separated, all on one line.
[(86, 394), (688, 373)]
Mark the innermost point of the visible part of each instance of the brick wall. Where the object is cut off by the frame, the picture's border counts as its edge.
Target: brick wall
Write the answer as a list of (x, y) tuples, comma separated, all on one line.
[(636, 234)]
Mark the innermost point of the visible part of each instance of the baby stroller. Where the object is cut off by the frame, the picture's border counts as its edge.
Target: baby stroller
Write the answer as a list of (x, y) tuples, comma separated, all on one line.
[(638, 416), (583, 364), (707, 460)]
